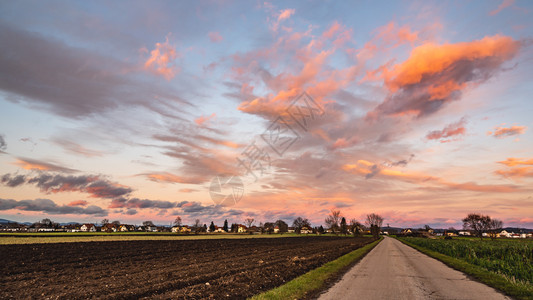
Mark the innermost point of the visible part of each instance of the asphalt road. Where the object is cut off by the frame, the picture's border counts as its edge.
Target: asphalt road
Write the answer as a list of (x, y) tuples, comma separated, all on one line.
[(393, 270)]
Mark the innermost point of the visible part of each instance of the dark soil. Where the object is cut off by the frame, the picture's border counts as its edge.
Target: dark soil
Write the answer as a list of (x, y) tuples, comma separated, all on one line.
[(192, 269)]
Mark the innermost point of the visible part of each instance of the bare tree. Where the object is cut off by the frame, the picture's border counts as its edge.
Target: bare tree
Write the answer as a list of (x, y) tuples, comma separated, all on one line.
[(197, 225), (282, 226), (104, 221), (476, 223), (333, 220), (374, 221), (356, 227), (177, 221), (148, 223), (249, 222), (493, 227), (116, 222), (299, 223)]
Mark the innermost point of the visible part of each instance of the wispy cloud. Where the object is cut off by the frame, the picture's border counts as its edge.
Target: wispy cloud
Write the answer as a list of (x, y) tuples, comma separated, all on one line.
[(215, 37), (34, 164), (93, 185), (504, 4), (50, 207), (502, 132), (450, 131)]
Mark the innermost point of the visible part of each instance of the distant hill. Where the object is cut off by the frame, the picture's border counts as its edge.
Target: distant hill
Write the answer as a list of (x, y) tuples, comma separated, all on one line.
[(4, 221)]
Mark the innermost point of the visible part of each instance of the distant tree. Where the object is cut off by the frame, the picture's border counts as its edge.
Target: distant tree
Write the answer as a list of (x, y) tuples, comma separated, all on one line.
[(374, 221), (249, 222), (116, 222), (261, 227), (494, 227), (197, 227), (321, 229), (343, 226), (355, 227), (234, 228), (269, 227), (299, 223), (212, 227), (427, 228), (177, 221), (204, 228), (104, 222), (283, 227), (333, 219), (226, 229), (148, 223), (46, 222), (481, 223)]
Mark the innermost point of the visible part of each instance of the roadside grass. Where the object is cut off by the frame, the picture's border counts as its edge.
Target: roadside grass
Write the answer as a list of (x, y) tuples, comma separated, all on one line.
[(57, 237), (519, 289), (316, 279)]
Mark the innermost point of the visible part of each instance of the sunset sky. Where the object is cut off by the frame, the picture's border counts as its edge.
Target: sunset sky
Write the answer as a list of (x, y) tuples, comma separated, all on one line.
[(127, 110)]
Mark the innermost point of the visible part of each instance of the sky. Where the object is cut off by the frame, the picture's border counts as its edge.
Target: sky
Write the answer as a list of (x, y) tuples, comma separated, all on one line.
[(419, 111)]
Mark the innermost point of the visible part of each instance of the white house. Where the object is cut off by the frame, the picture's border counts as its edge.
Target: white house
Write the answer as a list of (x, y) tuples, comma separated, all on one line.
[(88, 228)]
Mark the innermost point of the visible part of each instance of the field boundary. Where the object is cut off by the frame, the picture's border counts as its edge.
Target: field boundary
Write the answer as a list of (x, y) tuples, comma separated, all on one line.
[(312, 282), (480, 274)]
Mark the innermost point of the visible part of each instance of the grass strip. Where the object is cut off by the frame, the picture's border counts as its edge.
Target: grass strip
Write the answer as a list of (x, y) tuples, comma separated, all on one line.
[(315, 280), (498, 281)]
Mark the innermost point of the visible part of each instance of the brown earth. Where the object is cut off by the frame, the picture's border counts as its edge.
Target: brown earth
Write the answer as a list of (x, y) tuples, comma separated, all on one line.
[(192, 269)]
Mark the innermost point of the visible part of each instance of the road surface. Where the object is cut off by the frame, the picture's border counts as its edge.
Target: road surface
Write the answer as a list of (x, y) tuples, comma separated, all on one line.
[(393, 270)]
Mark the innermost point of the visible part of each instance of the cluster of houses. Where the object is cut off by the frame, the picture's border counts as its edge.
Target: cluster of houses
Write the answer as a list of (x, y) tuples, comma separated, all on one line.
[(456, 233), (112, 227)]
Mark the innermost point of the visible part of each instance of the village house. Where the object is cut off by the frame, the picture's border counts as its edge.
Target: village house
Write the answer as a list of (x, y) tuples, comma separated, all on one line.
[(109, 227), (126, 228), (241, 228), (306, 230), (88, 228), (181, 229)]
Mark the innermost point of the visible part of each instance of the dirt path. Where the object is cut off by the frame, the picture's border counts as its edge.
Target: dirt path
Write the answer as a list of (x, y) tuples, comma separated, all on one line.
[(396, 271)]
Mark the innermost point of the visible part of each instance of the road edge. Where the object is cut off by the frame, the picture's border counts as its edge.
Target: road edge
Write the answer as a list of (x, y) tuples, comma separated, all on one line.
[(315, 281), (477, 273)]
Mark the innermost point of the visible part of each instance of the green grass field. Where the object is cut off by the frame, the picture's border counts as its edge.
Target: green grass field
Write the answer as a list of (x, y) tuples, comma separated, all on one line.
[(506, 264)]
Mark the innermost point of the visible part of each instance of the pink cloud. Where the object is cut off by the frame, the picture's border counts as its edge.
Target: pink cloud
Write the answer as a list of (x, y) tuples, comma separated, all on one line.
[(504, 4), (285, 14), (78, 203), (161, 60), (201, 120), (215, 37), (501, 132), (451, 130)]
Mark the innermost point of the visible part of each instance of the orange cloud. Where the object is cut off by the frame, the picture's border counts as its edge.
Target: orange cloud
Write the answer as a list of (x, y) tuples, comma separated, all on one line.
[(501, 132), (436, 74), (33, 164), (370, 170), (516, 172), (511, 162), (201, 120), (215, 37), (171, 178), (161, 60), (78, 203)]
